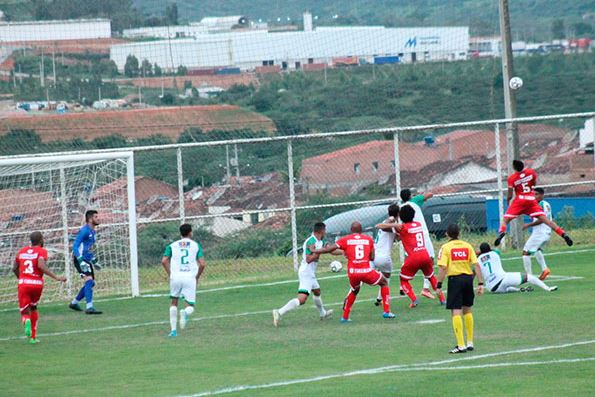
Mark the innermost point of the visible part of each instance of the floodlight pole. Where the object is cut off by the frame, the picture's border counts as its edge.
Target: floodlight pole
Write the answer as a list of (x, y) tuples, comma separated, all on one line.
[(512, 135)]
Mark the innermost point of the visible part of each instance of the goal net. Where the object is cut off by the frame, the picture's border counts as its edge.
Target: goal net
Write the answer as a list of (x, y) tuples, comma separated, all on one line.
[(51, 194)]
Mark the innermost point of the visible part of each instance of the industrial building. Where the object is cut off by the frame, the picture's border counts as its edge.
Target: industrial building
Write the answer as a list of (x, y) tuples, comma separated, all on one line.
[(292, 50), (206, 25), (71, 29)]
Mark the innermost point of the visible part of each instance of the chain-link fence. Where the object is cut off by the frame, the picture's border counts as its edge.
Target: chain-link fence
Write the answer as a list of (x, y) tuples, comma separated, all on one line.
[(252, 202)]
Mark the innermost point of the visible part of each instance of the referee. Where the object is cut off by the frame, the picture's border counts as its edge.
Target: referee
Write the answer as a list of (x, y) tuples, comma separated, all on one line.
[(456, 260)]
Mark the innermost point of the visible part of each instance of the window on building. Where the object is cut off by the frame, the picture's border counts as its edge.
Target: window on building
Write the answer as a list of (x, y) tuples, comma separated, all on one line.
[(310, 60), (375, 166), (356, 168), (284, 65), (392, 164), (298, 65)]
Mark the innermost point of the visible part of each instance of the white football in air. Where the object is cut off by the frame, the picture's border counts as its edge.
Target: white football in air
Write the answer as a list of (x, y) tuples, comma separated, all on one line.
[(515, 83), (336, 266)]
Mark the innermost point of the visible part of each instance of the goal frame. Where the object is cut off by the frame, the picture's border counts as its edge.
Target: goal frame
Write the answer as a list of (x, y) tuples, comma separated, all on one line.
[(128, 156)]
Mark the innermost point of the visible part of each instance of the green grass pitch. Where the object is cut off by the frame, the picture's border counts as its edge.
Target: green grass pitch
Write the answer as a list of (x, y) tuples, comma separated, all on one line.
[(527, 344)]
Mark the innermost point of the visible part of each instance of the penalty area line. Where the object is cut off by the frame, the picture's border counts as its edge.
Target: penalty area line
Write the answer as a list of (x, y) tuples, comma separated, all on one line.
[(426, 366)]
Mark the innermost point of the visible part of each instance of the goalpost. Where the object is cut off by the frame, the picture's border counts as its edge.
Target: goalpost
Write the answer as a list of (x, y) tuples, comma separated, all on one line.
[(51, 194)]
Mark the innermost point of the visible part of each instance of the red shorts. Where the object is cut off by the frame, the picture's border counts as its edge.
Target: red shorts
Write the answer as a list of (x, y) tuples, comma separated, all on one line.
[(414, 263), (29, 294), (367, 276), (524, 206)]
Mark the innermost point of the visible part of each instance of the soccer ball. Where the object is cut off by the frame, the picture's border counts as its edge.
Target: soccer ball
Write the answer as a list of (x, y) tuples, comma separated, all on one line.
[(336, 266), (515, 83)]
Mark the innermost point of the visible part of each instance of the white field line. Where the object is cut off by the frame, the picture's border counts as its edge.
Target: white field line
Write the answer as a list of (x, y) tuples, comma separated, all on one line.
[(426, 366), (206, 318), (273, 283)]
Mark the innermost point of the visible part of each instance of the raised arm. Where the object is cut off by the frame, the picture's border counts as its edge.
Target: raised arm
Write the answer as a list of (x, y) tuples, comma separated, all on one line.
[(44, 269), (428, 196), (390, 226)]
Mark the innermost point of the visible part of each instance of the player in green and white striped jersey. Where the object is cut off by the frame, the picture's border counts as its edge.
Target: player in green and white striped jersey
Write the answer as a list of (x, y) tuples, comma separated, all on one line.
[(307, 277), (181, 261)]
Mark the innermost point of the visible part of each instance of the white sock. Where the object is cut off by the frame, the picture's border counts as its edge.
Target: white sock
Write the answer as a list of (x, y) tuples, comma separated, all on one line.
[(535, 281), (75, 301), (292, 304), (318, 304), (173, 317), (512, 289), (427, 284), (527, 264), (189, 310), (89, 305), (540, 260), (379, 297)]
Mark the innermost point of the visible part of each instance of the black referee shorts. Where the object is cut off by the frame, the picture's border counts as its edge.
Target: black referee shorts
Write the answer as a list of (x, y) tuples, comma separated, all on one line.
[(460, 291)]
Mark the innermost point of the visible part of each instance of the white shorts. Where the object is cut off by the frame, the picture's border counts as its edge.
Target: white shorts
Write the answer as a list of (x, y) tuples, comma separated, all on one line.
[(509, 280), (308, 282), (535, 242), (183, 287), (383, 264)]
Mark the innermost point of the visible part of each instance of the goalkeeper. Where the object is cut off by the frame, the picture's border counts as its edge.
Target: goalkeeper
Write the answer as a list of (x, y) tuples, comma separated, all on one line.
[(85, 262)]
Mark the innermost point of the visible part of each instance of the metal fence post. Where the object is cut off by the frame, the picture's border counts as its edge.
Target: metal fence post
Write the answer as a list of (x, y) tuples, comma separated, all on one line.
[(292, 204), (499, 177), (398, 182), (181, 185), (66, 251)]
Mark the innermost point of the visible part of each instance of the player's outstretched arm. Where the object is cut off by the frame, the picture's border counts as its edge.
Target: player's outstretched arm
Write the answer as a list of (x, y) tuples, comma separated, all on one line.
[(389, 226), (201, 268), (532, 224), (479, 276), (427, 195), (44, 269), (165, 264), (326, 250)]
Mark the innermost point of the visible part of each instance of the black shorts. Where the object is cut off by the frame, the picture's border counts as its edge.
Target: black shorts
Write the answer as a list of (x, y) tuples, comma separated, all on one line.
[(460, 291), (84, 270)]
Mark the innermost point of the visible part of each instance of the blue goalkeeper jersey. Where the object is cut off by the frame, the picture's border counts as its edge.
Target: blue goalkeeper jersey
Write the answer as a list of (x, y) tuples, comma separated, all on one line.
[(83, 244)]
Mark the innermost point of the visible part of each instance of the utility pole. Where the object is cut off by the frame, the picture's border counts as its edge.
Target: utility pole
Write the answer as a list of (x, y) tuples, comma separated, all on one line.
[(237, 161), (54, 66), (41, 71), (512, 135), (227, 166)]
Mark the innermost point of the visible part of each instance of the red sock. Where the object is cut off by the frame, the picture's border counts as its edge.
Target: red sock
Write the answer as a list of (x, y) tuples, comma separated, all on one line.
[(559, 231), (385, 294), (406, 287), (25, 317), (433, 282), (502, 229), (34, 318), (349, 301)]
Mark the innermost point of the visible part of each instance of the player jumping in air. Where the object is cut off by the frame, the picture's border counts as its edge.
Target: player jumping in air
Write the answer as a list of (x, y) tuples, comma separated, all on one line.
[(499, 281), (540, 235), (416, 203), (29, 267), (181, 261), (307, 277), (383, 244), (359, 250), (85, 262), (522, 182), (418, 258)]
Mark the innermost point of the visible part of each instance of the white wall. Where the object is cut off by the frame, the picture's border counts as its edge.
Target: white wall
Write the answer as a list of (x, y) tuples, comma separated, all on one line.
[(78, 29), (248, 49)]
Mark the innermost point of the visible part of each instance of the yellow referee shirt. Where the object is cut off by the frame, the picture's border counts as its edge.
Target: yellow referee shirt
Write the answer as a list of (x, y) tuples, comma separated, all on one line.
[(458, 257)]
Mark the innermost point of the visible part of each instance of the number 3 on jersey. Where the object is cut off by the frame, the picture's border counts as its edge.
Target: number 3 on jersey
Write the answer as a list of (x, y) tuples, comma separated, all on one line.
[(28, 267), (359, 252)]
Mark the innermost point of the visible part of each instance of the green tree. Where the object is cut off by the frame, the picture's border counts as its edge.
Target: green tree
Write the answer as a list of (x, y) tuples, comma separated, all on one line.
[(582, 29), (558, 29), (182, 70), (171, 14), (146, 68), (157, 70), (131, 66)]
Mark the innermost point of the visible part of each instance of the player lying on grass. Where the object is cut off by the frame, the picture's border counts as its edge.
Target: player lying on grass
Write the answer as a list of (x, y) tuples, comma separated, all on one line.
[(540, 235), (359, 250), (383, 244), (29, 267), (307, 277), (523, 182), (412, 236), (181, 261), (416, 202), (499, 281)]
